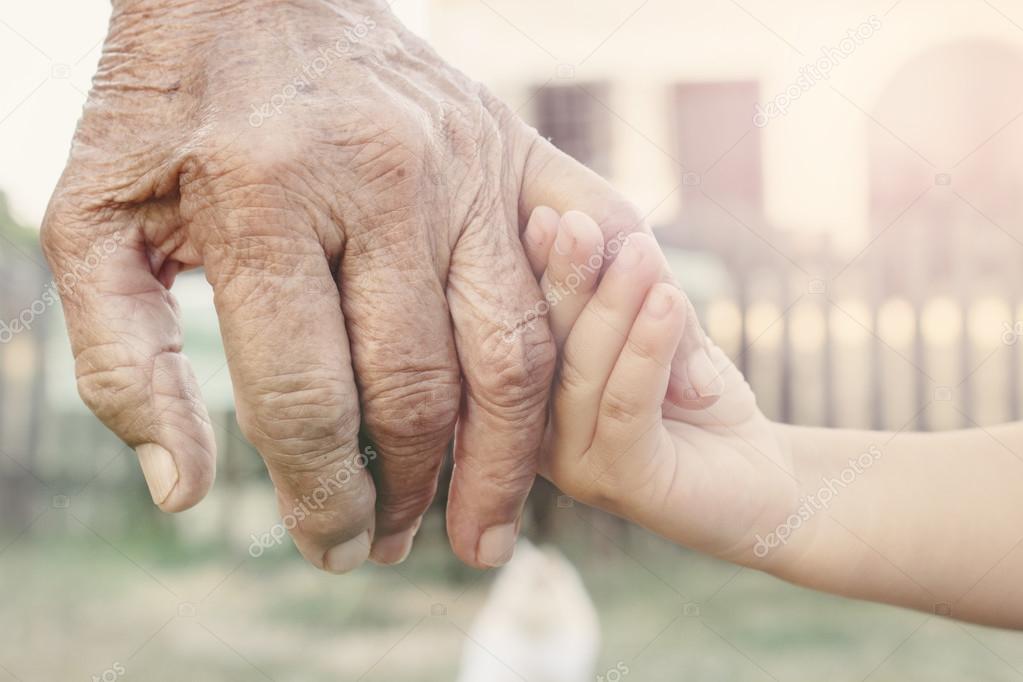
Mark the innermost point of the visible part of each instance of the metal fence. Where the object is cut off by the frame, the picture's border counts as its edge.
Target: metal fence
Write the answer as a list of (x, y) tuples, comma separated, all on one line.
[(835, 352)]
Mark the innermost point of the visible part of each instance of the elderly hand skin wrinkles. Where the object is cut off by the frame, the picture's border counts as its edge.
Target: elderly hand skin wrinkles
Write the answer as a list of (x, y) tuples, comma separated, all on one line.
[(356, 204)]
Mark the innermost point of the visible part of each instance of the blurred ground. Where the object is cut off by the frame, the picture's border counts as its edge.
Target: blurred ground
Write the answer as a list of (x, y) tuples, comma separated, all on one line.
[(79, 605), (869, 233)]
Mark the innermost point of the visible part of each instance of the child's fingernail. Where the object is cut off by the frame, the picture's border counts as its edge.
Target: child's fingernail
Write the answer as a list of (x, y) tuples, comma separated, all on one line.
[(534, 235), (659, 302), (536, 228), (564, 242), (497, 545), (704, 376)]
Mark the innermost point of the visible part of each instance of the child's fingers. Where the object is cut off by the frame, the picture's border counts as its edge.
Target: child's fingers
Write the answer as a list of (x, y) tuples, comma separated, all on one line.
[(573, 270), (631, 403), (695, 381), (597, 339), (736, 404), (539, 236)]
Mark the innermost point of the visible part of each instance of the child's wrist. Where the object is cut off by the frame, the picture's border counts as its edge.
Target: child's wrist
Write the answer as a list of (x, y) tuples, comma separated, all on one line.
[(785, 550)]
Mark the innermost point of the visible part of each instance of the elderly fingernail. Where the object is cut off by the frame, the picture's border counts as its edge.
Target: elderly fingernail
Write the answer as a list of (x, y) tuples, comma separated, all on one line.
[(497, 545), (159, 469), (394, 549), (347, 556), (704, 376)]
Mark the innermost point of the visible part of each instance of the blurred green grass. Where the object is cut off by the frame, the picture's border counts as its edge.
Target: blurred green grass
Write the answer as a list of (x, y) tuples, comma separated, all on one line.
[(78, 603)]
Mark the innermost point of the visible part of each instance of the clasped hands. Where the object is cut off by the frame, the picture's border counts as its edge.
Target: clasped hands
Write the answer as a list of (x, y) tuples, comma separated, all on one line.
[(365, 246)]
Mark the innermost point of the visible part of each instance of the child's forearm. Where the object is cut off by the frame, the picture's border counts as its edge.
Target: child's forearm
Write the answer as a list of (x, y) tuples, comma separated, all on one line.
[(929, 521)]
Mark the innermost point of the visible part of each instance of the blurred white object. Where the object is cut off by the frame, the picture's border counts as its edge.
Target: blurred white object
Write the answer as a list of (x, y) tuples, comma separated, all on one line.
[(538, 624)]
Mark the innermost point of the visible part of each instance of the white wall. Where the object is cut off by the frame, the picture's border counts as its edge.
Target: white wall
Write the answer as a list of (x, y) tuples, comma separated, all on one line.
[(815, 156)]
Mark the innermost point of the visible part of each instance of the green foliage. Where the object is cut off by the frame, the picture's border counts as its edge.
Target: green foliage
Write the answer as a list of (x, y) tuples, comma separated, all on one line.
[(12, 233)]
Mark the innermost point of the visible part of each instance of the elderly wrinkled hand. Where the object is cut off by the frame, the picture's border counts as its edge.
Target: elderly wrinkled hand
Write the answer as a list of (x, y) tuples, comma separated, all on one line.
[(356, 204)]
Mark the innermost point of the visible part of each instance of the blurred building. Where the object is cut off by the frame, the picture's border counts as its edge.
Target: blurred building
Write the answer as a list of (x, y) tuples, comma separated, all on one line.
[(853, 168), (836, 186)]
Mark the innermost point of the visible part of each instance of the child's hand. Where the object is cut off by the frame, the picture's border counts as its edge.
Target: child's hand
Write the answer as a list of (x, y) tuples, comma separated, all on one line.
[(722, 479), (695, 382), (712, 479)]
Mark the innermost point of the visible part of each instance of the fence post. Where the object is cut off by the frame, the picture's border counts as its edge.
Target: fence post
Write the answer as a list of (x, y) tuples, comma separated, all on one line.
[(1013, 365), (877, 421), (786, 355), (743, 300)]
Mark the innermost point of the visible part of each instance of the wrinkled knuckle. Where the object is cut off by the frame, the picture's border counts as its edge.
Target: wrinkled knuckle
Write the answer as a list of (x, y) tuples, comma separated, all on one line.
[(412, 410), (516, 377), (391, 154), (511, 479), (96, 390), (250, 169), (400, 166), (301, 426), (108, 379), (264, 212), (255, 157), (405, 509)]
